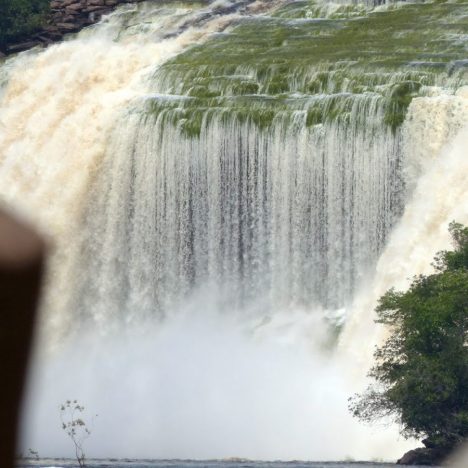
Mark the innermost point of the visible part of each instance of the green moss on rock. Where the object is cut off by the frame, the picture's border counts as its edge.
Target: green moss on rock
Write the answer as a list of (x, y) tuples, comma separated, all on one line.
[(325, 61)]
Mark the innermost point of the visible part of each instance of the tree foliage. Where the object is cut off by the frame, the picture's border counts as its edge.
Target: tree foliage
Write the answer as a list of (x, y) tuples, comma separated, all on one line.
[(19, 18), (421, 371)]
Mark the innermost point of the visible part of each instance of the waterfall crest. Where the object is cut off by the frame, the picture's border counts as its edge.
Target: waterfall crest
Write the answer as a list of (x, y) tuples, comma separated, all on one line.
[(269, 172)]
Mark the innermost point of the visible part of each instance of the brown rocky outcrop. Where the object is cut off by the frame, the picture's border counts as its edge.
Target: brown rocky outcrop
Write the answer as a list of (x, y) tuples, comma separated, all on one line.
[(66, 16), (433, 454), (423, 456)]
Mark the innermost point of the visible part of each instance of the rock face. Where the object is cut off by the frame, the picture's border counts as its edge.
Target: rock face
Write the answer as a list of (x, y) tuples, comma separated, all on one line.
[(429, 455), (67, 16)]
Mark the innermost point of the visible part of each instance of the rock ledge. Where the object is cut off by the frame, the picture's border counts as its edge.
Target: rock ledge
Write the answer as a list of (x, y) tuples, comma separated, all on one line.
[(66, 16), (424, 456)]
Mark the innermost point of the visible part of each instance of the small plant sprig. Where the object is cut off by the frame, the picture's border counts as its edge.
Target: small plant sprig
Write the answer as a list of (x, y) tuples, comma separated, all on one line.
[(33, 454), (73, 424)]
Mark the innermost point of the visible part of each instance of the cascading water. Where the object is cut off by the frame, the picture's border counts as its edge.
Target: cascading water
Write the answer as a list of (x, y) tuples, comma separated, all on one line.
[(275, 217), (223, 179)]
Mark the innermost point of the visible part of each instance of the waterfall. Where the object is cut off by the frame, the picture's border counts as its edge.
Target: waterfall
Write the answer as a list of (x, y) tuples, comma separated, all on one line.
[(279, 218), (64, 101), (228, 187), (436, 129)]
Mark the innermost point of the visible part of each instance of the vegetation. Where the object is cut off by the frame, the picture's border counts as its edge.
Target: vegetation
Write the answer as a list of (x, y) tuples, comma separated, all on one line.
[(72, 423), (33, 454), (20, 18), (30, 455), (421, 371), (327, 64)]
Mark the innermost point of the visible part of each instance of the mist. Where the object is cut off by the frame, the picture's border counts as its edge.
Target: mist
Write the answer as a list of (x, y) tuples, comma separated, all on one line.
[(203, 384)]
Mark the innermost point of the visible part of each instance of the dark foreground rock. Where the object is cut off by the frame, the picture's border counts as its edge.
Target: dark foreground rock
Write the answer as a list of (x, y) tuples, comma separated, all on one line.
[(66, 16), (424, 456), (21, 260)]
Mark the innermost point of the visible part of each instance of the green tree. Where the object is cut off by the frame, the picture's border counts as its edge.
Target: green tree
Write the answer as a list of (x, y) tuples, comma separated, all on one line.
[(420, 373), (19, 18)]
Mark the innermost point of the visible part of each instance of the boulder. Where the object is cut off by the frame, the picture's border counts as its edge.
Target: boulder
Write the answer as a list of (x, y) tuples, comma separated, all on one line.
[(20, 47), (96, 8), (424, 456), (45, 39), (74, 7), (65, 3), (68, 26), (68, 19)]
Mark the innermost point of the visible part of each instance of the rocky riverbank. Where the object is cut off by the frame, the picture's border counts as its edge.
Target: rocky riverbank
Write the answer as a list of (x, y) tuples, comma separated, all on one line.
[(423, 456), (430, 455), (66, 16)]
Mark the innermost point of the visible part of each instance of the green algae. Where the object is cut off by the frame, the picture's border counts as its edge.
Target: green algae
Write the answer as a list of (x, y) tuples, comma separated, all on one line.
[(202, 92), (323, 61), (399, 99), (315, 116), (245, 88)]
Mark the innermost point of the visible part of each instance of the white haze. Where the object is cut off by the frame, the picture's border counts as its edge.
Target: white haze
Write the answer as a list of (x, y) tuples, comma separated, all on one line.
[(204, 385)]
